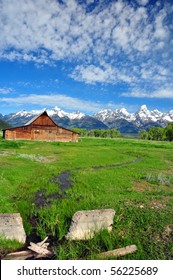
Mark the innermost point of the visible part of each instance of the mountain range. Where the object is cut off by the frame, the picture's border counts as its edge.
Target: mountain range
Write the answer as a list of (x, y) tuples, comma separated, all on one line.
[(119, 119)]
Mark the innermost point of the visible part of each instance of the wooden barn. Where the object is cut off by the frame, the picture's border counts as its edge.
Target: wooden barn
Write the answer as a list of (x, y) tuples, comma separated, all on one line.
[(40, 128)]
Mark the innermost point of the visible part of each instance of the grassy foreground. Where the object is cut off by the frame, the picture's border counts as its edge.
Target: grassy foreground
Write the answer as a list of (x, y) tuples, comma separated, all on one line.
[(48, 182)]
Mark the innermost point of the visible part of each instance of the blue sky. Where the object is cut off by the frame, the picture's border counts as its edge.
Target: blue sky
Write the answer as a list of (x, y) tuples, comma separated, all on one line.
[(86, 55)]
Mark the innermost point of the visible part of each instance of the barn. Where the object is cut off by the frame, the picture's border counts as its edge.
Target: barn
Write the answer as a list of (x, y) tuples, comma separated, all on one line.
[(40, 128)]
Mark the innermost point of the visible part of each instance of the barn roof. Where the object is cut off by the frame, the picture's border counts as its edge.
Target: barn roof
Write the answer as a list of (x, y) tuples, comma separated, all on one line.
[(36, 117)]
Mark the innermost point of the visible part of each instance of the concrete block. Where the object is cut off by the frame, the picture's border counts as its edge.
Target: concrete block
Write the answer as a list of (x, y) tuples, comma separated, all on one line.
[(11, 227), (85, 223)]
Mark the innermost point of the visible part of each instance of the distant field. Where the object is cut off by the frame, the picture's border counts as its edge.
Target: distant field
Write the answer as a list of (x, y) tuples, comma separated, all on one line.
[(48, 182)]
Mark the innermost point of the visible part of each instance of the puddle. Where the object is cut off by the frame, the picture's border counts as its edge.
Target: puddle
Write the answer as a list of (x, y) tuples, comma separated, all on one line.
[(41, 199), (63, 182)]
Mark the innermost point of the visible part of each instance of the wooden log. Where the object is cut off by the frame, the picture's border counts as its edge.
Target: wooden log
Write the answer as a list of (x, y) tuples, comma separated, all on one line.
[(119, 252), (43, 242), (45, 245), (39, 250), (22, 255)]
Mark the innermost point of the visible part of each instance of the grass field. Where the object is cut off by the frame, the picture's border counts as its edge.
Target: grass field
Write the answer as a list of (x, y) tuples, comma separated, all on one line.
[(48, 182)]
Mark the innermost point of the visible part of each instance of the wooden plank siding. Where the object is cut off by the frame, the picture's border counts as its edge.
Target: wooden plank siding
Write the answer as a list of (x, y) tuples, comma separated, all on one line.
[(42, 128)]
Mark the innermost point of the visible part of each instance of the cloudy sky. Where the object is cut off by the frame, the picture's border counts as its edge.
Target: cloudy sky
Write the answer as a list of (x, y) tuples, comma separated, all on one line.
[(86, 55)]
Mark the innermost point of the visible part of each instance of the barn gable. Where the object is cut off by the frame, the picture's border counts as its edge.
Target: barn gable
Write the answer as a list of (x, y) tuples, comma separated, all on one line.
[(42, 119), (41, 128)]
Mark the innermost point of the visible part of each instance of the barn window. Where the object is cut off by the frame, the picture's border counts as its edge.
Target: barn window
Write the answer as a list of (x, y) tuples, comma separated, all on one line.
[(37, 131)]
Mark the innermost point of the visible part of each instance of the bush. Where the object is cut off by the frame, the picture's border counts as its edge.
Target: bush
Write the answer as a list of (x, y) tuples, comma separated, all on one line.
[(158, 133), (103, 133)]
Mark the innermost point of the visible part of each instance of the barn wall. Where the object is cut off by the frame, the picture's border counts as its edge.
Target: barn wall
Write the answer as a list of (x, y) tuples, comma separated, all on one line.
[(40, 133), (52, 134), (17, 133)]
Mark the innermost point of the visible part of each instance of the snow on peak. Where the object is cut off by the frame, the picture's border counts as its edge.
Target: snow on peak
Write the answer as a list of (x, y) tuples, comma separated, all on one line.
[(171, 114), (76, 115), (56, 111), (37, 112), (157, 114), (143, 108), (124, 112), (143, 112), (60, 113), (103, 114), (167, 118), (143, 115), (56, 108), (21, 113)]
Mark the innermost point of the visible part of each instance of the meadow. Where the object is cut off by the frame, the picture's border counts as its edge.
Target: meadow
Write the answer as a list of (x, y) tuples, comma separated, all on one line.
[(47, 182)]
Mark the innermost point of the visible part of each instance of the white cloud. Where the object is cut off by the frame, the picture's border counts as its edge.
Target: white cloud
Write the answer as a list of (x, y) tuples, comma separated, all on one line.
[(104, 45), (161, 30), (162, 93), (106, 74), (142, 2), (92, 74), (43, 30), (5, 90), (90, 1), (63, 101)]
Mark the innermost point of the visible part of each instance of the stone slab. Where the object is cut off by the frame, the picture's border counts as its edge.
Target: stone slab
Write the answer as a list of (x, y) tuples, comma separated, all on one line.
[(86, 223), (11, 227)]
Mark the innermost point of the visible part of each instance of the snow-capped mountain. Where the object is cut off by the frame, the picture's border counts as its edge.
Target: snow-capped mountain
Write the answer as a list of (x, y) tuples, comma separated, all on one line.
[(120, 119), (68, 120), (51, 112), (60, 113), (131, 123), (107, 115)]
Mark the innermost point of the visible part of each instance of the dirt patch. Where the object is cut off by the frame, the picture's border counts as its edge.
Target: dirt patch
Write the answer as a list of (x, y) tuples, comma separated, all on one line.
[(49, 159), (146, 186), (142, 186), (156, 204), (167, 235)]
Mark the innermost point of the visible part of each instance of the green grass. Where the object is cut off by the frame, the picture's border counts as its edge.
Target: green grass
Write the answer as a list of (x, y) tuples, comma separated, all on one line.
[(7, 246), (135, 178)]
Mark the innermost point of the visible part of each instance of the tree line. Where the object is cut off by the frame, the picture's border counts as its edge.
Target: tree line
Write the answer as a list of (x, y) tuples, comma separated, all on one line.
[(158, 133), (154, 133), (103, 133)]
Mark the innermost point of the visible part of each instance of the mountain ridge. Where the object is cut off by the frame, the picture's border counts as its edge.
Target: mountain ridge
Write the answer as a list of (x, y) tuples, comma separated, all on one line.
[(119, 119)]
